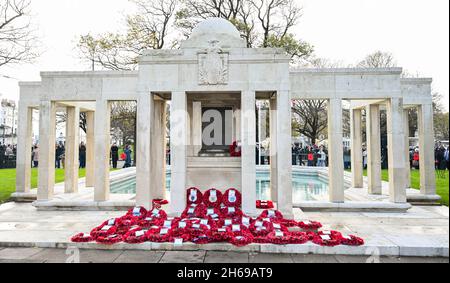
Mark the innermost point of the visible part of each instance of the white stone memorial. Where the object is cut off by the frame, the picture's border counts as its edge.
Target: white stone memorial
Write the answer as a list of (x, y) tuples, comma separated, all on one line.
[(214, 69)]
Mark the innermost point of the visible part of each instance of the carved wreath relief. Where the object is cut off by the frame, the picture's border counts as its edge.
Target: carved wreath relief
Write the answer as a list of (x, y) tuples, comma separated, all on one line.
[(213, 66)]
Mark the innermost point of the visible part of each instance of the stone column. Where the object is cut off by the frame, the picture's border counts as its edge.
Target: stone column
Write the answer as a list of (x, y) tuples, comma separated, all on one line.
[(145, 116), (335, 151), (47, 139), (407, 164), (24, 144), (72, 150), (197, 127), (284, 153), (90, 146), (373, 149), (248, 139), (178, 144), (426, 144), (102, 150), (273, 150), (396, 144), (158, 151), (357, 157)]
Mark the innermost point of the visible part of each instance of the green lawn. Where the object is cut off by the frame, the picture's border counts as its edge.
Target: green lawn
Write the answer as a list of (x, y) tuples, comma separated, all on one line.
[(442, 184), (8, 180)]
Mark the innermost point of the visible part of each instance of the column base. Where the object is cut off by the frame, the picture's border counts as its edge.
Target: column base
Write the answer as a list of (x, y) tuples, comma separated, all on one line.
[(421, 199), (24, 197)]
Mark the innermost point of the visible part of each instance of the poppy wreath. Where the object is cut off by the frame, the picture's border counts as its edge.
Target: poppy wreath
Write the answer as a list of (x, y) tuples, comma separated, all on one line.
[(213, 213), (157, 214), (185, 237), (279, 238), (212, 198), (158, 203), (155, 236), (208, 222), (223, 234), (194, 196), (299, 238), (234, 152), (246, 221), (352, 241), (197, 211), (103, 231), (197, 230), (277, 226), (310, 225), (171, 223), (240, 230), (334, 239), (228, 222), (139, 212), (261, 228), (289, 223), (231, 212), (109, 240), (202, 239), (135, 237), (272, 214), (232, 198), (241, 240), (264, 204), (149, 222), (260, 240), (82, 238)]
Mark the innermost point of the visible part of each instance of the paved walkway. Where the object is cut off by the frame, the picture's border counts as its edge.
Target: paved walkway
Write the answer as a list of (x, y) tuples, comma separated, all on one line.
[(38, 255), (422, 231)]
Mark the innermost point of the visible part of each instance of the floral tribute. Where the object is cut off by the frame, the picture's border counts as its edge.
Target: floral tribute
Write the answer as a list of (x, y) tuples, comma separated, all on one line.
[(212, 217)]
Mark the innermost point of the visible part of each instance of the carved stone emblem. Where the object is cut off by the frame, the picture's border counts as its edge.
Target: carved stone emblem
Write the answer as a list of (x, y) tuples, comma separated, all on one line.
[(213, 66)]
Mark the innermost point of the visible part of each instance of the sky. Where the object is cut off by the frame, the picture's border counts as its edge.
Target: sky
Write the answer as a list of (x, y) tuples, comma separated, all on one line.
[(416, 32)]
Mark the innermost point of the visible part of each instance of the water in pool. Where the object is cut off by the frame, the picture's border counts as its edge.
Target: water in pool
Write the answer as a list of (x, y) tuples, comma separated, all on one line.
[(305, 188)]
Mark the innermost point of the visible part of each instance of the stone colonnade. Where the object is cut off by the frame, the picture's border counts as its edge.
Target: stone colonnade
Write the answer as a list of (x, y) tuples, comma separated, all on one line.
[(398, 149)]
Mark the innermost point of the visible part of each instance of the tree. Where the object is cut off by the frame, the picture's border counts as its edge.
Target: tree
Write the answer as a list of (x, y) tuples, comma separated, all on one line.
[(148, 29), (262, 23), (441, 126), (310, 118), (17, 41), (378, 59)]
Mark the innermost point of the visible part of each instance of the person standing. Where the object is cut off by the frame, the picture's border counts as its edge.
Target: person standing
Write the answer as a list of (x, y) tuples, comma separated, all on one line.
[(36, 156), (446, 158), (58, 153), (127, 153), (82, 155), (114, 155), (321, 158)]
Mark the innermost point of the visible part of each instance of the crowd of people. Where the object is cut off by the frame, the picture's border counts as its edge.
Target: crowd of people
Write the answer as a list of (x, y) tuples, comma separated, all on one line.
[(7, 156), (60, 151), (441, 157)]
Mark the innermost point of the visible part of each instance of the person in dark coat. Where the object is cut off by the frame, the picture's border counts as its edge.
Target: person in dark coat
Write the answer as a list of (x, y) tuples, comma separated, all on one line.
[(58, 155), (114, 155), (82, 155)]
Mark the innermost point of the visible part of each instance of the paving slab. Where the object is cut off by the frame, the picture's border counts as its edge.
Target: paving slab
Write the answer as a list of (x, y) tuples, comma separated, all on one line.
[(314, 258), (98, 256), (414, 260), (53, 256), (183, 257), (226, 257), (351, 259), (18, 253), (139, 257), (270, 258)]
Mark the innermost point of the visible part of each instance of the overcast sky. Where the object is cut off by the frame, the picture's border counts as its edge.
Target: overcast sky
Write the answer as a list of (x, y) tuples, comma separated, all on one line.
[(415, 31)]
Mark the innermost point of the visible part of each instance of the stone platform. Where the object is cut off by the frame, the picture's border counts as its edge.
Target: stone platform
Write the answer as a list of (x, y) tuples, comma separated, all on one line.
[(422, 231)]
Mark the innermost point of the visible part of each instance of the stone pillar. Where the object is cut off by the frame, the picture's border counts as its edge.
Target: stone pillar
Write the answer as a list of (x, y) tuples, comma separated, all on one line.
[(357, 157), (273, 150), (197, 127), (335, 151), (158, 151), (102, 150), (407, 164), (373, 149), (396, 144), (24, 144), (47, 139), (178, 144), (90, 146), (145, 116), (426, 147), (284, 153), (71, 150), (248, 139)]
